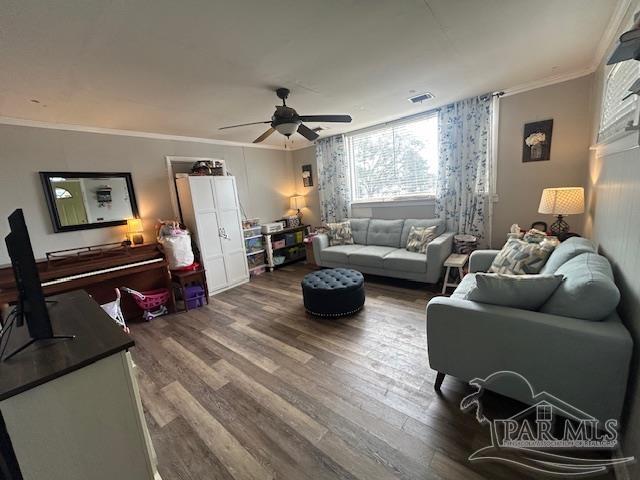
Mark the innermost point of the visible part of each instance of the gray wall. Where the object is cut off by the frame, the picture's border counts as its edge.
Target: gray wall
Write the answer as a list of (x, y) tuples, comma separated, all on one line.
[(307, 156), (519, 185), (613, 220), (264, 178)]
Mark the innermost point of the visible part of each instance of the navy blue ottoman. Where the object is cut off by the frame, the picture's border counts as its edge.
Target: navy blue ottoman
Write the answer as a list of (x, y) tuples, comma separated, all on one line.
[(333, 292)]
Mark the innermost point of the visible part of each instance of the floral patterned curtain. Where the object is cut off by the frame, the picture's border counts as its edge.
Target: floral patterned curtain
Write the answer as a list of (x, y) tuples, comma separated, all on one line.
[(334, 184), (462, 191)]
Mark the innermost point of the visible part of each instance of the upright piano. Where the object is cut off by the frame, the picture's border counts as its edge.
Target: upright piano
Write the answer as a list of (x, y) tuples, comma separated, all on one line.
[(99, 270)]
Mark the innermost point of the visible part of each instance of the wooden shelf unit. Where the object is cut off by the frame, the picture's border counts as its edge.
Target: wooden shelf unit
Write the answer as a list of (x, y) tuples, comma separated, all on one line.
[(268, 243)]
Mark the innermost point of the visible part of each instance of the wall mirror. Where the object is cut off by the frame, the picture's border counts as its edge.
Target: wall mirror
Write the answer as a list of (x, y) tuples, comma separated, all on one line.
[(83, 200)]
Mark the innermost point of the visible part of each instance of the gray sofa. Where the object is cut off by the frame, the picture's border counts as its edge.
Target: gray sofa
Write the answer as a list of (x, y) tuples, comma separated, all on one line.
[(380, 249), (580, 356)]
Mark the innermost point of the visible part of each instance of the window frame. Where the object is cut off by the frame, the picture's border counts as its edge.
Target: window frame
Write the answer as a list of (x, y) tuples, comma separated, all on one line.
[(404, 200), (619, 128)]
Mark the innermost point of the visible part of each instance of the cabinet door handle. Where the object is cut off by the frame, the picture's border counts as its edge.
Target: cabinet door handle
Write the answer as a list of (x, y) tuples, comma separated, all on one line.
[(222, 233)]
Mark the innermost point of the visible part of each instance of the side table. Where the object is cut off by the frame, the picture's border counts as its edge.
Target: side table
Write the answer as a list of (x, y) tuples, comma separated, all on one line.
[(182, 278), (455, 260)]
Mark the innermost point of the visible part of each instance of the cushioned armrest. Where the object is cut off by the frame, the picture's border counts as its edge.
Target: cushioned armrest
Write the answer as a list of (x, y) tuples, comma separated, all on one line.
[(320, 242), (437, 252), (575, 359), (481, 260)]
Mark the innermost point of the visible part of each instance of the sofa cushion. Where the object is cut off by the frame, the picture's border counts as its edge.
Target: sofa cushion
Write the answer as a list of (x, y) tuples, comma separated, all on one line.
[(359, 227), (414, 222), (370, 256), (570, 248), (527, 292), (518, 257), (385, 233), (338, 253), (467, 284), (405, 261), (419, 238), (588, 291)]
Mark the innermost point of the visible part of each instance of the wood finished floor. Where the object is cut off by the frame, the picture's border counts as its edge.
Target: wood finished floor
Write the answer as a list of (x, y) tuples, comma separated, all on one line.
[(251, 387)]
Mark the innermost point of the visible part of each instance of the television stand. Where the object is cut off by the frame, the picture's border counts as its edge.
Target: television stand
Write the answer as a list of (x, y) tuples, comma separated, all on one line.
[(34, 340)]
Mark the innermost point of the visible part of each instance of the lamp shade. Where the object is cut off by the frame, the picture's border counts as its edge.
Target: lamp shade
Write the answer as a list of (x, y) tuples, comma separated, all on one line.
[(134, 225), (297, 202), (562, 201)]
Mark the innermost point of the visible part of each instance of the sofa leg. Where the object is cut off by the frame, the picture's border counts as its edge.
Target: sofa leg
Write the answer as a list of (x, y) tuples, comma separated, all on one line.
[(439, 380)]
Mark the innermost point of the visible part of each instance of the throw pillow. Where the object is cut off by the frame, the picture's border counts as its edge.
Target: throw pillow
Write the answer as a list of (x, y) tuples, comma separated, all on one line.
[(340, 233), (527, 292), (420, 237), (518, 257)]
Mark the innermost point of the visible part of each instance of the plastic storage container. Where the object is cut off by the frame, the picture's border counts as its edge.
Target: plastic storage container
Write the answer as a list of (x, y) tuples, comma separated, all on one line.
[(278, 244), (252, 232), (250, 223), (254, 244), (256, 260), (299, 236)]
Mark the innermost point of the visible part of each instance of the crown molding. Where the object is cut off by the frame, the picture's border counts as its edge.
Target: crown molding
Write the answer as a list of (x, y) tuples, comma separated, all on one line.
[(22, 122), (607, 40), (545, 82)]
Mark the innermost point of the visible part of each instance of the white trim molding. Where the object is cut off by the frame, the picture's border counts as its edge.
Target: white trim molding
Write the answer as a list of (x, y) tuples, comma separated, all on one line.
[(607, 41), (22, 122)]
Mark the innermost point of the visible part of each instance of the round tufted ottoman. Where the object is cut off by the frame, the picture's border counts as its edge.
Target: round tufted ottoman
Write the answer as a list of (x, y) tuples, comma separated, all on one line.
[(333, 292)]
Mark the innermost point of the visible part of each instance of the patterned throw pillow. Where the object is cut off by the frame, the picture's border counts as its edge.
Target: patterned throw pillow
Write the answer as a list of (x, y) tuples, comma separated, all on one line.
[(340, 233), (518, 257), (420, 237)]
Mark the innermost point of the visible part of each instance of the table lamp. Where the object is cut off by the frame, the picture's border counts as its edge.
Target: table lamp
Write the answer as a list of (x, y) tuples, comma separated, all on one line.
[(297, 202), (134, 227), (560, 202)]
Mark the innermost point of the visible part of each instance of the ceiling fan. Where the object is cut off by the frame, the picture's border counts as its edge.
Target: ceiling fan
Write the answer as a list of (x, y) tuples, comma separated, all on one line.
[(286, 120)]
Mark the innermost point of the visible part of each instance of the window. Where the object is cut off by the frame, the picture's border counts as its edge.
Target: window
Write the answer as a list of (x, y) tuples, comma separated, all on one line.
[(616, 112), (395, 161), (63, 193)]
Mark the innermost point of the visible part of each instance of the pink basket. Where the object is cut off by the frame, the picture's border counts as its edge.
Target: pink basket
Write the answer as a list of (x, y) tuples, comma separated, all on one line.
[(150, 299)]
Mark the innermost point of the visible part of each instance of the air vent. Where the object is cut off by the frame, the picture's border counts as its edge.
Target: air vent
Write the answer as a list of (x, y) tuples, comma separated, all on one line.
[(421, 97)]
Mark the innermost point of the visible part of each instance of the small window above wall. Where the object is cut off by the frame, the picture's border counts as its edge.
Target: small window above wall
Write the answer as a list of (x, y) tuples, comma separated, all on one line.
[(619, 107), (395, 161)]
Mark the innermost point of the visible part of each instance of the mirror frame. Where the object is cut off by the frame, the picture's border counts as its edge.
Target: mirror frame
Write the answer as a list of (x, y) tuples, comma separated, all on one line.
[(51, 202)]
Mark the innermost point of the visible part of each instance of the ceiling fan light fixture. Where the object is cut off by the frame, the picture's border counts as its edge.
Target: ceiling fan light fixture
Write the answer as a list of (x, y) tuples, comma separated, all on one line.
[(287, 129)]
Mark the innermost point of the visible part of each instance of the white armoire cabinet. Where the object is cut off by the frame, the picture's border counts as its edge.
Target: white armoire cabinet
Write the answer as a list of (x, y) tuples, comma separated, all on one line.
[(211, 211)]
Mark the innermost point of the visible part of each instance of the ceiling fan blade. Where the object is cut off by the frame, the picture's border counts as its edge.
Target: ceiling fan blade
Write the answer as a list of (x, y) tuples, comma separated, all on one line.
[(326, 118), (244, 125), (307, 133), (264, 135)]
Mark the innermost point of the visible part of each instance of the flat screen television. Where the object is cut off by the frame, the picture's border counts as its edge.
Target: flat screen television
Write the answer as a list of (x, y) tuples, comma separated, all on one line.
[(32, 305)]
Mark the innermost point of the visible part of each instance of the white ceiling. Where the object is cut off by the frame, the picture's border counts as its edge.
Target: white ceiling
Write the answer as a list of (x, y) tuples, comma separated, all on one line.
[(189, 67)]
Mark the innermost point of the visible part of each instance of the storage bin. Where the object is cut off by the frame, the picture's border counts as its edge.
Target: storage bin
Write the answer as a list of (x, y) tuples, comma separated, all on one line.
[(258, 271), (250, 223), (278, 244), (251, 231), (290, 238), (254, 244), (279, 259), (299, 236), (255, 260)]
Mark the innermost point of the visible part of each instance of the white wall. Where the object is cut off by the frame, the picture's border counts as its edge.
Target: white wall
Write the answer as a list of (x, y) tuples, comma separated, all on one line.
[(264, 178), (613, 221)]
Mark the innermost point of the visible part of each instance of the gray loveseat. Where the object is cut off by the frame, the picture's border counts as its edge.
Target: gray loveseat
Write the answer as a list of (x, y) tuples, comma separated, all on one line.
[(575, 347), (380, 249)]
